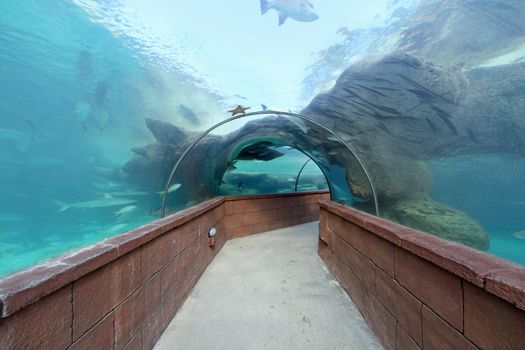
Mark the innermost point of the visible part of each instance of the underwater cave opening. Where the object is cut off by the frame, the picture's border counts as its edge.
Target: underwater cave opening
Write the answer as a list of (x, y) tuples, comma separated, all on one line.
[(228, 159)]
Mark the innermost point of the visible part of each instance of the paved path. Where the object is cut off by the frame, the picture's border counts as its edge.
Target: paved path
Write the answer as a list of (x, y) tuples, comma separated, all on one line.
[(269, 291)]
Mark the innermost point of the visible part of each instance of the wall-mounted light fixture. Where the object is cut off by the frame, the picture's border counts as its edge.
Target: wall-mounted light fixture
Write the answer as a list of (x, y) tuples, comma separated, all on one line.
[(212, 232)]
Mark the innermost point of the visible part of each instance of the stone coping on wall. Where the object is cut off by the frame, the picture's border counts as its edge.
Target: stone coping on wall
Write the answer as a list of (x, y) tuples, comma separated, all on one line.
[(28, 286), (499, 277)]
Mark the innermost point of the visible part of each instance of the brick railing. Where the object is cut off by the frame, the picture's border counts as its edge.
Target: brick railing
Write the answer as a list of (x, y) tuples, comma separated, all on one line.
[(418, 291), (123, 292)]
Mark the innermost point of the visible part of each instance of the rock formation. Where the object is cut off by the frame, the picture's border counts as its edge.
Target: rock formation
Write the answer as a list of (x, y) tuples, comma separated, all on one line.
[(442, 91)]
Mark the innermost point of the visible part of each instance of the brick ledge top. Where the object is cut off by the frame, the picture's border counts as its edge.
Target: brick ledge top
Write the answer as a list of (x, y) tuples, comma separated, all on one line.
[(30, 285), (497, 276)]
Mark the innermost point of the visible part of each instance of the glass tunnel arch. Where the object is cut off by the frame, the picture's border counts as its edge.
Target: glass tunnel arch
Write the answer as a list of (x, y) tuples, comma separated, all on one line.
[(300, 173), (281, 114)]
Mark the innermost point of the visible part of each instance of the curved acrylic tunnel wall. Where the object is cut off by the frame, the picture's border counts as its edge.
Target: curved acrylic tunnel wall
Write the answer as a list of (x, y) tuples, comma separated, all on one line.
[(432, 106), (200, 172)]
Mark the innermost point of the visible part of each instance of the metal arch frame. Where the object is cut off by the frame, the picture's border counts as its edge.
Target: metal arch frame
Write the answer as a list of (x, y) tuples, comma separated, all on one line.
[(267, 112), (300, 172)]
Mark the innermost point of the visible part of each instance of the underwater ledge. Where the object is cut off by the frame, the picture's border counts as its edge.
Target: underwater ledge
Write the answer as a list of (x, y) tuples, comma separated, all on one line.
[(109, 293)]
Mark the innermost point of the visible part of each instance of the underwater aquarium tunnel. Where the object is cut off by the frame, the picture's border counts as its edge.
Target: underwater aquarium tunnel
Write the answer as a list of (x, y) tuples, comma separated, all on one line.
[(411, 109), (204, 170), (139, 138)]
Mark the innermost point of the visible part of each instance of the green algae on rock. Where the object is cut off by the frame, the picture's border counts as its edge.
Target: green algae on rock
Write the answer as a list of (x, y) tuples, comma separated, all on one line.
[(438, 219)]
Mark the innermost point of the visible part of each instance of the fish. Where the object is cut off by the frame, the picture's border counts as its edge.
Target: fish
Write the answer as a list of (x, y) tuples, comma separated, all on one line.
[(519, 234), (125, 210), (188, 114), (238, 110), (445, 117), (382, 126), (102, 118), (131, 193), (108, 185), (107, 201), (264, 107), (101, 92), (84, 65), (113, 230), (472, 136), (231, 166), (82, 111), (432, 125), (155, 212), (300, 10), (260, 151), (171, 189)]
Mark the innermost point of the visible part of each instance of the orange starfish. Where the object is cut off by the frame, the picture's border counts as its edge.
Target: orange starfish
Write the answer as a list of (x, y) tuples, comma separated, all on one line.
[(238, 110)]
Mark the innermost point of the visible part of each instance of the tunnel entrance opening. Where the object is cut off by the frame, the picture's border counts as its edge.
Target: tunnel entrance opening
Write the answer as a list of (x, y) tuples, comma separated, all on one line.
[(199, 172), (269, 169)]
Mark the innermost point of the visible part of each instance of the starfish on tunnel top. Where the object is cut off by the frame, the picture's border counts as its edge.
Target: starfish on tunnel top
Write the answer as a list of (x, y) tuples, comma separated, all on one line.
[(238, 110)]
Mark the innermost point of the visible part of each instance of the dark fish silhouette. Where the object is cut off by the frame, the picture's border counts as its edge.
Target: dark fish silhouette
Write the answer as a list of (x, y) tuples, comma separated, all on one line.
[(188, 114), (432, 125), (472, 136), (445, 117), (84, 65), (260, 151), (383, 127), (230, 166), (101, 92)]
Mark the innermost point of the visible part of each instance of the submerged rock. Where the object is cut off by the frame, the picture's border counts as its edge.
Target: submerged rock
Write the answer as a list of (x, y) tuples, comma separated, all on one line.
[(394, 113), (165, 132), (438, 219)]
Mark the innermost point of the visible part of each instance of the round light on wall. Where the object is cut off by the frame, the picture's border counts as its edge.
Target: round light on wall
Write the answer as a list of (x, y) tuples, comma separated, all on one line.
[(211, 236)]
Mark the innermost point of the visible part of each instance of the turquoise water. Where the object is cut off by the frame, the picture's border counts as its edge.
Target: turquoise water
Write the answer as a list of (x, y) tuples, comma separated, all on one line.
[(100, 98), (506, 246)]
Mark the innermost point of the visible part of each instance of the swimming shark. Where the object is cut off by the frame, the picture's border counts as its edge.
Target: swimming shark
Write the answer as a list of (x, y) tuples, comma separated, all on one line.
[(171, 189), (126, 210), (107, 201), (300, 10)]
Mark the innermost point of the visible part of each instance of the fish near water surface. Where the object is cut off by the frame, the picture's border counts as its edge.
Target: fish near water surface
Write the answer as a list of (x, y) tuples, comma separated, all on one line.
[(188, 114), (300, 10)]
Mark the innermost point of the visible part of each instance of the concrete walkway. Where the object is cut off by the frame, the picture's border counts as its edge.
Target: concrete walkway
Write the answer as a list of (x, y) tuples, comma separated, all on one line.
[(269, 291)]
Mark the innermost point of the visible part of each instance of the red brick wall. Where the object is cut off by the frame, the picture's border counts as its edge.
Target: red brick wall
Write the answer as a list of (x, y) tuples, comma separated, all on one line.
[(123, 292), (249, 215), (418, 291)]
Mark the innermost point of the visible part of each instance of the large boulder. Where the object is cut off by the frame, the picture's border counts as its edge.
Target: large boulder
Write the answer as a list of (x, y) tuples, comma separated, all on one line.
[(438, 219)]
